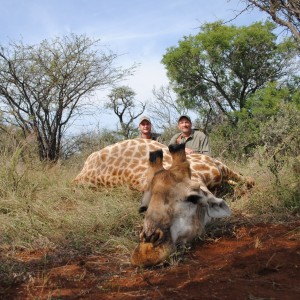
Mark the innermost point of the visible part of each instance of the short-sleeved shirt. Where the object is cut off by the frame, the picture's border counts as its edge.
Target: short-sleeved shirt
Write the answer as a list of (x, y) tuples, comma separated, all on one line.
[(197, 141)]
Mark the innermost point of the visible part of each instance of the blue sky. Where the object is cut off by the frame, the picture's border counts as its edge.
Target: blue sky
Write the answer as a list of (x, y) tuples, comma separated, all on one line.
[(138, 30)]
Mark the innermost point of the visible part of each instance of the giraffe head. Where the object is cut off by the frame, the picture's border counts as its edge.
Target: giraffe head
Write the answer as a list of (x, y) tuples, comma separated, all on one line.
[(177, 209)]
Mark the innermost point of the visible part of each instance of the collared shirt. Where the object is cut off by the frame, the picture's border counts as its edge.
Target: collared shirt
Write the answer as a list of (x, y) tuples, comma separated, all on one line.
[(197, 141)]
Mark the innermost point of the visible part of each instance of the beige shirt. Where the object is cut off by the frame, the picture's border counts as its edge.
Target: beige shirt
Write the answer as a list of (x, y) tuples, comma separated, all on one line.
[(197, 141)]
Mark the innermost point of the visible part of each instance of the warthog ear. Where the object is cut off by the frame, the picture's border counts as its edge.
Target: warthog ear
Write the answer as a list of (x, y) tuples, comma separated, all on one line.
[(217, 208)]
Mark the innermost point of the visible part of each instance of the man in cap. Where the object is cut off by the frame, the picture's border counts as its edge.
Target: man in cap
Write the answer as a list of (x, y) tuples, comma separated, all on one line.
[(145, 130), (195, 141)]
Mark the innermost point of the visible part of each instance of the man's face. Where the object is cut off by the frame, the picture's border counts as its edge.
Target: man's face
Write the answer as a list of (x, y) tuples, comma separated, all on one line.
[(145, 127), (185, 126)]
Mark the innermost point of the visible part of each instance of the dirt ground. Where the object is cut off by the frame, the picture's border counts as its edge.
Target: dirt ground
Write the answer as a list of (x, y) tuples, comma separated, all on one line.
[(254, 262)]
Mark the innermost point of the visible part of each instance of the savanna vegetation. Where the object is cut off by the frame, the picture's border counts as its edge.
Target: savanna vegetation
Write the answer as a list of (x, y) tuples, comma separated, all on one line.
[(243, 85)]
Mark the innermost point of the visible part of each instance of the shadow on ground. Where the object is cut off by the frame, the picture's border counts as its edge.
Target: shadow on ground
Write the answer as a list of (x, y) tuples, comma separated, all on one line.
[(260, 261)]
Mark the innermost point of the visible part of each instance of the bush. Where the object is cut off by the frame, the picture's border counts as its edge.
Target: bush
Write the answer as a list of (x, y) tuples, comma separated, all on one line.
[(88, 142), (277, 134)]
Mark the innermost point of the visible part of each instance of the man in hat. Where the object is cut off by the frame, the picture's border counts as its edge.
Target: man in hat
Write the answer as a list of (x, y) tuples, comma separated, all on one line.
[(195, 141), (145, 130)]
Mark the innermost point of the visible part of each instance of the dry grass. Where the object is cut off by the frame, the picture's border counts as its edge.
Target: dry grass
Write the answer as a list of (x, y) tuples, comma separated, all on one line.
[(40, 209), (273, 198), (46, 208)]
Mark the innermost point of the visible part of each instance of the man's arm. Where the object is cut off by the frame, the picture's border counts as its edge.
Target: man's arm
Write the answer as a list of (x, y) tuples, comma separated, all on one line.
[(200, 143)]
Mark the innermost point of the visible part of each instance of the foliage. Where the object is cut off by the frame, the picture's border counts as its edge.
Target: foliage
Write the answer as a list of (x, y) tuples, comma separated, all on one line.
[(123, 104), (270, 117), (272, 130), (85, 143), (217, 70), (273, 197), (41, 211), (43, 87), (13, 143), (281, 138), (165, 109), (168, 133), (265, 102)]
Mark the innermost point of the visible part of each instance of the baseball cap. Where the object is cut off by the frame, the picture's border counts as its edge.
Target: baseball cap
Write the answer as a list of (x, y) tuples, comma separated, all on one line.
[(144, 118), (184, 116)]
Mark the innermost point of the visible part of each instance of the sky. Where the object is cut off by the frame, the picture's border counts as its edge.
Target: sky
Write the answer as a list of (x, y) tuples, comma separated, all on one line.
[(139, 31)]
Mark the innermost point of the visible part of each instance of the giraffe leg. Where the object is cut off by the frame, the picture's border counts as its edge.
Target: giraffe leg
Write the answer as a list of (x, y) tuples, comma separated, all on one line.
[(233, 177)]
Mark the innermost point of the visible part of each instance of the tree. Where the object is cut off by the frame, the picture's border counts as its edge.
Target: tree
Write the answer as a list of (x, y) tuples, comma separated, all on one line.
[(286, 13), (266, 102), (85, 143), (165, 110), (219, 68), (123, 104), (44, 87), (255, 128)]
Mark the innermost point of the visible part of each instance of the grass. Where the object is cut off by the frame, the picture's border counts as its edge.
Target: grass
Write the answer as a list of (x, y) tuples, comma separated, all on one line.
[(273, 198), (40, 209)]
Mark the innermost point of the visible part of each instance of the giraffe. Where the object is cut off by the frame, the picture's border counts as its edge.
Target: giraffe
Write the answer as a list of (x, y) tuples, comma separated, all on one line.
[(177, 208), (126, 163)]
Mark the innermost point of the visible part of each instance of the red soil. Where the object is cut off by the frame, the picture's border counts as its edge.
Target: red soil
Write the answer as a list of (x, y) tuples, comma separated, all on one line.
[(260, 261)]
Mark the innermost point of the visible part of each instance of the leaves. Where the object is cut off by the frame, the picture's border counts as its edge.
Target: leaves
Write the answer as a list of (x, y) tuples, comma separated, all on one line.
[(123, 104), (220, 67), (43, 87)]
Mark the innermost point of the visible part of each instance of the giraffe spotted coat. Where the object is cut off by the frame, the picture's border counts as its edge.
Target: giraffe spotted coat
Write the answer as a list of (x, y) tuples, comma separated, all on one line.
[(126, 163)]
